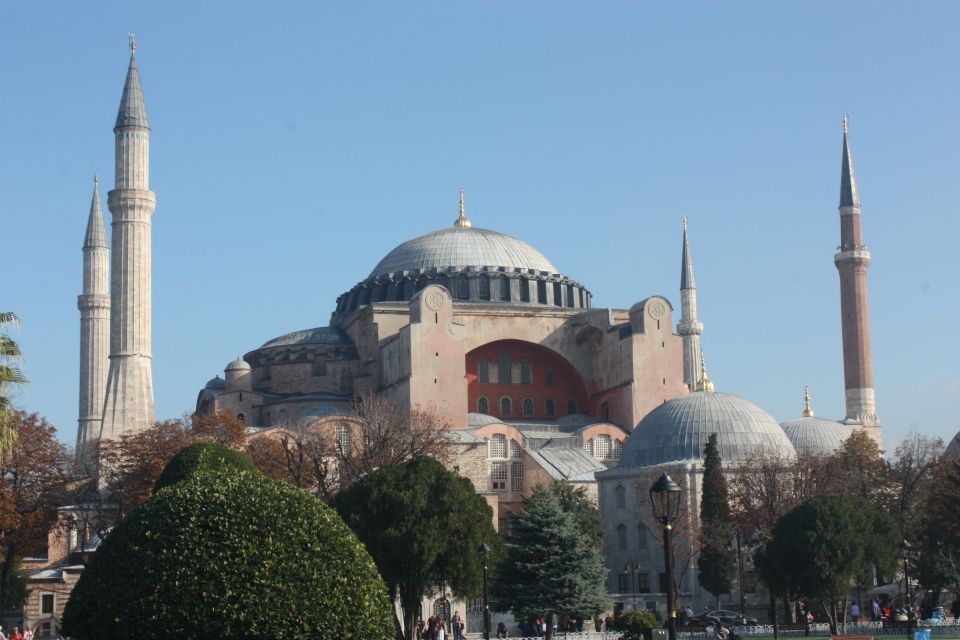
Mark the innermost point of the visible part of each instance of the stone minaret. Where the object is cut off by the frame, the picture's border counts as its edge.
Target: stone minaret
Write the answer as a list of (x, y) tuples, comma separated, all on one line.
[(852, 260), (689, 326), (94, 305), (129, 398)]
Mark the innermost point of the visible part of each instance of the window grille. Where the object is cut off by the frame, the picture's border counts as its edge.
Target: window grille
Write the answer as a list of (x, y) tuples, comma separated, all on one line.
[(526, 372), (504, 288), (483, 283), (643, 582), (623, 582), (483, 405), (516, 476), (601, 447), (515, 450), (498, 446), (498, 476), (344, 439), (506, 407), (616, 448), (503, 368)]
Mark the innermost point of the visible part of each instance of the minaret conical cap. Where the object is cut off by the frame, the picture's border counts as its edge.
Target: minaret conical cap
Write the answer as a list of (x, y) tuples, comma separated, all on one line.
[(848, 183), (686, 267), (133, 108), (96, 231)]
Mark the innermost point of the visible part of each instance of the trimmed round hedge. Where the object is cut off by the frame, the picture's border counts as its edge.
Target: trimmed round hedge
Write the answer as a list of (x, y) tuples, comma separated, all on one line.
[(230, 555), (202, 457)]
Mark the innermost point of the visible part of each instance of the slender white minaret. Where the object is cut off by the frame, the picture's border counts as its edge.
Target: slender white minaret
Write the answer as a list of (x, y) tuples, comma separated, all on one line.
[(129, 398), (689, 326), (852, 260), (94, 305)]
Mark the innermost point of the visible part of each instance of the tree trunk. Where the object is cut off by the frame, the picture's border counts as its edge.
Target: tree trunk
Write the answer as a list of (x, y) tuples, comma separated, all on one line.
[(831, 614), (549, 634), (775, 615)]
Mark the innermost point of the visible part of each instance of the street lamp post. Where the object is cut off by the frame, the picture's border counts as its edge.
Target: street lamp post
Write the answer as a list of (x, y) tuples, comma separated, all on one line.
[(908, 596), (484, 549), (665, 500), (633, 569)]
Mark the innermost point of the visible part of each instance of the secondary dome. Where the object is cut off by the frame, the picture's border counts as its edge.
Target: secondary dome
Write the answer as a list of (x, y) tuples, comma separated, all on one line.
[(817, 436), (238, 365), (463, 247), (678, 430), (953, 449)]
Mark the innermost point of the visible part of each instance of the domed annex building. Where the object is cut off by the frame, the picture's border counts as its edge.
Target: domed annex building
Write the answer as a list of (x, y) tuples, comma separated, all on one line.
[(484, 330)]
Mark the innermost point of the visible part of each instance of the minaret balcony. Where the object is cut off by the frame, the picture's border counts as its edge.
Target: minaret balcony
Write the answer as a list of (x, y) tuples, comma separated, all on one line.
[(860, 255)]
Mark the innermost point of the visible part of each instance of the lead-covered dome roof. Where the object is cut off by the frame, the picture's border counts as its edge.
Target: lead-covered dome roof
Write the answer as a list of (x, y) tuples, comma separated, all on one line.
[(463, 247), (677, 431), (816, 436), (953, 449)]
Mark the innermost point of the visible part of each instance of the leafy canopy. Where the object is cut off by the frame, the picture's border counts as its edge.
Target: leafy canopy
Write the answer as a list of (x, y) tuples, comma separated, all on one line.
[(230, 555), (423, 525), (201, 458)]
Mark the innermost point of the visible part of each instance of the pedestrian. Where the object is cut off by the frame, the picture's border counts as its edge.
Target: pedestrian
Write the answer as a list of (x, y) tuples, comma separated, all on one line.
[(608, 623), (2, 637), (441, 632), (501, 630), (874, 611), (455, 622), (855, 612), (15, 634)]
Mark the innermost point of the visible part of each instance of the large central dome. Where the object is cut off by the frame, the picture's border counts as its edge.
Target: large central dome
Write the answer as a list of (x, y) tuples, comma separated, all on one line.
[(463, 247)]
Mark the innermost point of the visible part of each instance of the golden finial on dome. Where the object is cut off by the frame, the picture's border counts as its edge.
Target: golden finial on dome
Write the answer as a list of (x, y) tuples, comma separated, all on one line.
[(807, 411), (461, 220), (705, 383)]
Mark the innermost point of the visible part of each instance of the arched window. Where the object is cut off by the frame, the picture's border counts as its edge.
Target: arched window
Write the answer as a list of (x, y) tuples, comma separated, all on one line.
[(557, 294), (498, 475), (524, 290), (503, 368), (571, 406), (515, 450), (441, 609), (616, 448), (621, 537), (541, 292), (483, 371), (463, 288), (621, 496), (504, 288), (483, 283), (498, 446), (483, 405), (549, 407), (526, 372), (506, 406), (528, 407), (343, 438), (569, 295)]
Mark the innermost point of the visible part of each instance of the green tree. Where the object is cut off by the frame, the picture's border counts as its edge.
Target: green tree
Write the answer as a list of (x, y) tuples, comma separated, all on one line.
[(202, 457), (230, 555), (717, 559), (585, 513), (939, 542), (11, 376), (423, 525), (819, 548), (552, 565), (634, 623)]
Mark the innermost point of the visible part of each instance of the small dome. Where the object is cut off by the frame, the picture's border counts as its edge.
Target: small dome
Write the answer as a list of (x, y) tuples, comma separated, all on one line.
[(317, 335), (678, 431), (238, 365), (816, 436), (462, 247), (953, 449), (216, 383)]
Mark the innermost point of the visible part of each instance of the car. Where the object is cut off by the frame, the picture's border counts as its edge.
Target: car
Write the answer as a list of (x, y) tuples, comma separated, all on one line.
[(727, 617)]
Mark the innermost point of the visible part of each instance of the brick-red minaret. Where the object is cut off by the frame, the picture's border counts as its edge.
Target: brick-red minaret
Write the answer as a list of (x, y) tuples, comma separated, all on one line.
[(852, 260)]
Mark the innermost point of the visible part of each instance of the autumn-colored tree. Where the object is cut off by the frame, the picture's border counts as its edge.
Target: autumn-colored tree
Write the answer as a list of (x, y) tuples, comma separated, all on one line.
[(327, 455), (224, 427), (33, 479), (861, 469), (911, 477)]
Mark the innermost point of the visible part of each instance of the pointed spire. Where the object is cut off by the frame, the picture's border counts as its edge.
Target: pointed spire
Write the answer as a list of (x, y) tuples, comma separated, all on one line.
[(96, 231), (848, 183), (807, 411), (462, 220), (686, 267), (133, 108)]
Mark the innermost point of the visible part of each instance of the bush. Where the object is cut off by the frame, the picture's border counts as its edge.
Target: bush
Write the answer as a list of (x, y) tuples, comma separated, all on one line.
[(634, 623), (202, 457), (230, 555)]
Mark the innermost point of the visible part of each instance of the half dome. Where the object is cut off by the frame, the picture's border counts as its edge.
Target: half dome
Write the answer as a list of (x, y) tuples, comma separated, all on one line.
[(462, 247), (677, 431), (816, 436)]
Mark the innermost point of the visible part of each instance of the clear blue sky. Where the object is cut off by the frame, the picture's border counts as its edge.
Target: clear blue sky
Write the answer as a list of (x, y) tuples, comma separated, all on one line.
[(294, 145)]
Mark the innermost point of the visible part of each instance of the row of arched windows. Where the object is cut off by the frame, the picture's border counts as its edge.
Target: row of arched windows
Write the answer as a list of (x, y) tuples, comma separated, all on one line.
[(528, 407), (505, 369), (603, 447), (622, 537)]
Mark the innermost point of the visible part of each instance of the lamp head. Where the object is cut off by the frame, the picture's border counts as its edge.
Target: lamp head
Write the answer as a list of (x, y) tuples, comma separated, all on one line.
[(665, 499)]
